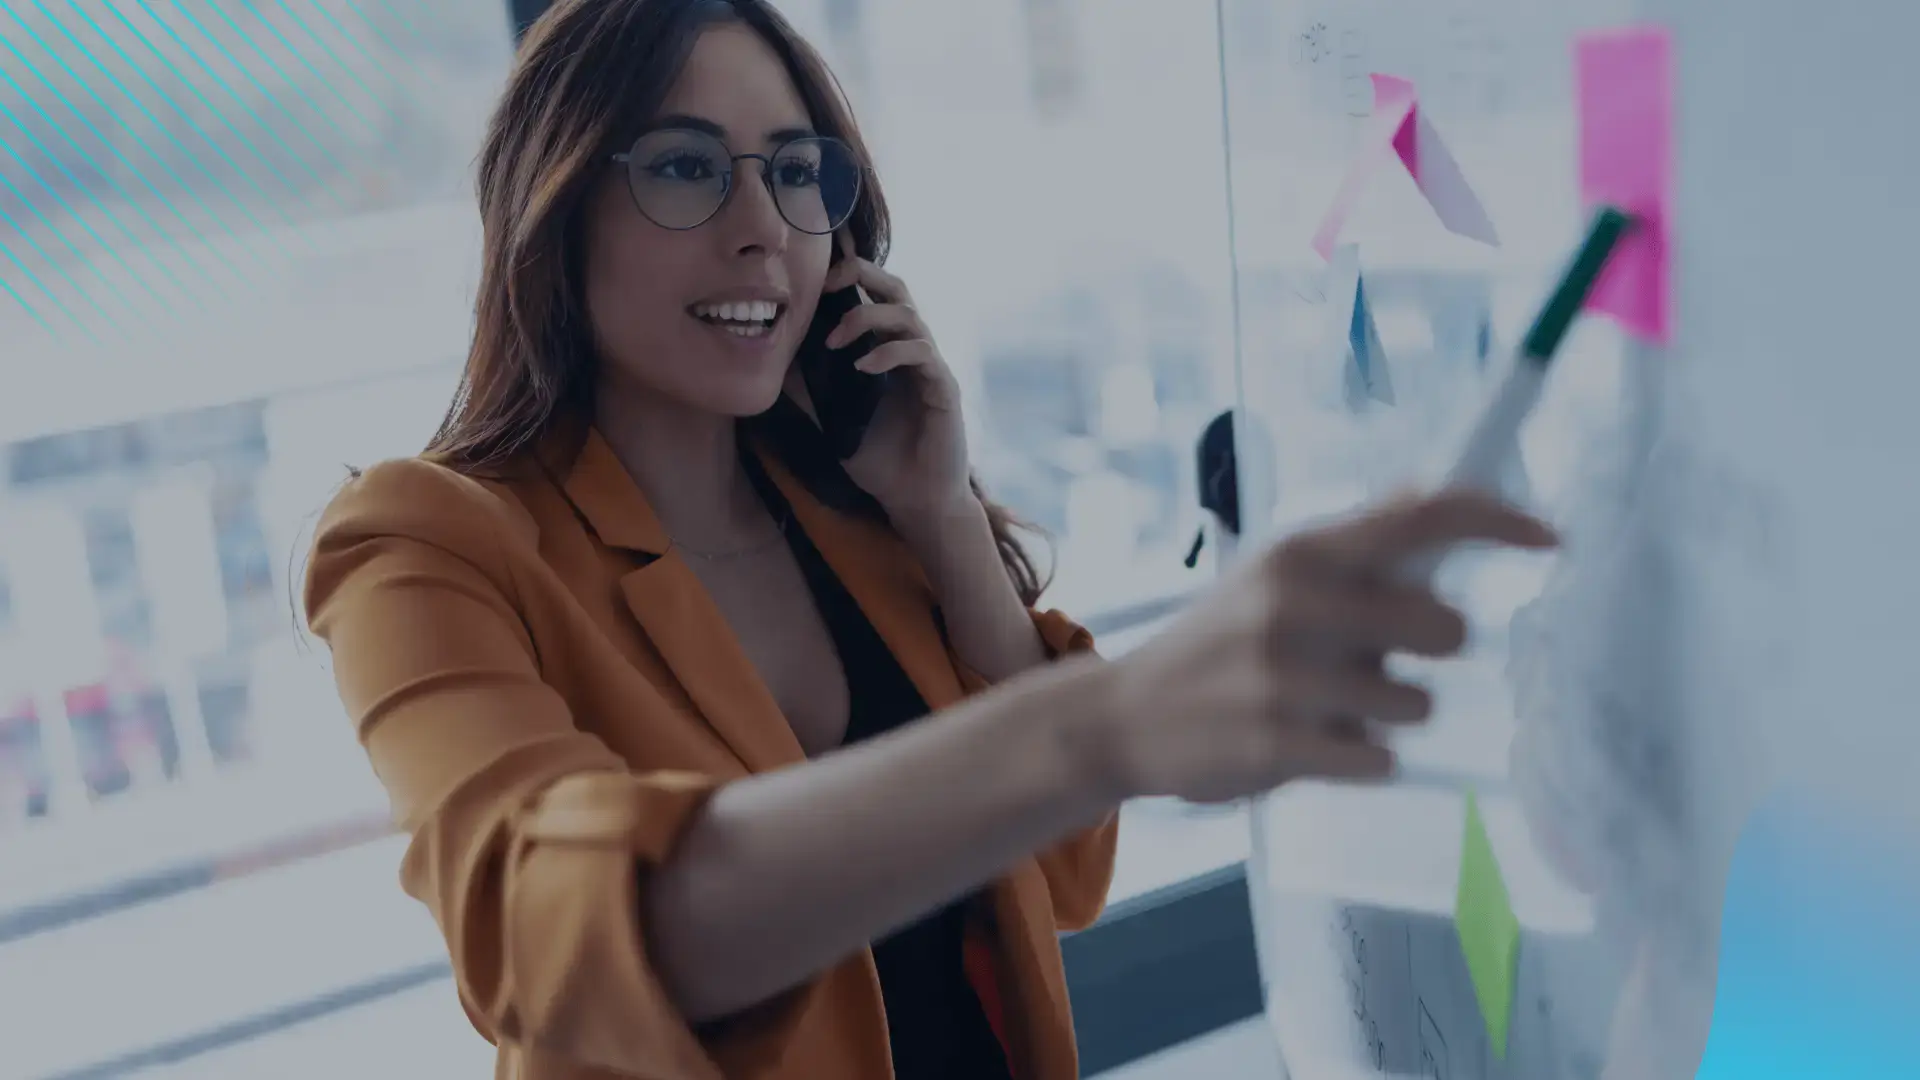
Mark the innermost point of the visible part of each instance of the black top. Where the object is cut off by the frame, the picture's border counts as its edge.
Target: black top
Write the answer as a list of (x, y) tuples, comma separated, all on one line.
[(935, 1022)]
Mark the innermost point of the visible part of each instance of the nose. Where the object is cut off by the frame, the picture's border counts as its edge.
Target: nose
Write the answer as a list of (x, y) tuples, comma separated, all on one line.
[(751, 218)]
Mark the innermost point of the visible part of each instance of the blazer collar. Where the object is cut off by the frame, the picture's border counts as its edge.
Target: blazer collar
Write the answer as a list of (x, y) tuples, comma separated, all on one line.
[(674, 610), (600, 489)]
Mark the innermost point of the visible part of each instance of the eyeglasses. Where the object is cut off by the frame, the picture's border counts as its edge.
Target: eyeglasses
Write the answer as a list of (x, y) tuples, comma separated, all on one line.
[(680, 178)]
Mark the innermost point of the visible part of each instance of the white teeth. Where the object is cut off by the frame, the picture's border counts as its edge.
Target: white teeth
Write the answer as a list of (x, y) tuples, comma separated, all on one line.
[(739, 311)]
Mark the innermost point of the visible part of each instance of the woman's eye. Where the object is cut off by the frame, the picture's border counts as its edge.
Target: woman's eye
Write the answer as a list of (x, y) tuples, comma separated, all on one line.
[(797, 174), (687, 167)]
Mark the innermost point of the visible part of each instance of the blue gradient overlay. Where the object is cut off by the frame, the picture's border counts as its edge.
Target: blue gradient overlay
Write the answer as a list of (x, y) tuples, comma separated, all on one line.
[(1819, 973)]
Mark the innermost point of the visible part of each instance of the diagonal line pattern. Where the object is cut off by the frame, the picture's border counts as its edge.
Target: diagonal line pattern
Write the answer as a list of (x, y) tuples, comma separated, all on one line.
[(144, 174), (353, 73), (178, 143), (246, 72), (373, 27), (86, 158), (106, 210), (71, 210), (186, 116), (32, 312), (192, 88), (220, 81), (253, 8), (34, 278), (141, 142), (80, 256)]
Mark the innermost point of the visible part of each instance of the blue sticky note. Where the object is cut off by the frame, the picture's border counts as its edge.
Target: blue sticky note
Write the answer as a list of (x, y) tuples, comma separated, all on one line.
[(1367, 377)]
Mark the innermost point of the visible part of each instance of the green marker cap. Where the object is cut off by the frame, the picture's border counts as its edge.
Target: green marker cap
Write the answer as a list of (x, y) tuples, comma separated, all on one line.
[(1609, 225)]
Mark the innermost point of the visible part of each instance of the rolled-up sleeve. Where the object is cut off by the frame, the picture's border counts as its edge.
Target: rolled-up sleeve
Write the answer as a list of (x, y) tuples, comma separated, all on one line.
[(1079, 869), (530, 839)]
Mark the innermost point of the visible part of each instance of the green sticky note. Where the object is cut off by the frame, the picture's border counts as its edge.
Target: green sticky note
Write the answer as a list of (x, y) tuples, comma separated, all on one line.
[(1489, 932)]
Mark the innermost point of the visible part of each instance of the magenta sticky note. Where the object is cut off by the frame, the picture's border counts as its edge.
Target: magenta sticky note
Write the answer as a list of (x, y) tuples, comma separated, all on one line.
[(1395, 102), (1398, 129), (1625, 99), (1390, 114)]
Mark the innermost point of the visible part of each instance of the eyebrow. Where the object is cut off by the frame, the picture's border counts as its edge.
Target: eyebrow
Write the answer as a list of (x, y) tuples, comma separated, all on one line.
[(702, 124)]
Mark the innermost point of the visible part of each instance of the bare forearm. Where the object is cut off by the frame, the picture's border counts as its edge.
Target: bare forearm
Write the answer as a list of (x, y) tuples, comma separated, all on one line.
[(786, 873), (990, 628)]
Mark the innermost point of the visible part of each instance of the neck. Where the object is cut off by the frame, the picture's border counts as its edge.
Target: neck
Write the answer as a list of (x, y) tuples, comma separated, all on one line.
[(687, 463)]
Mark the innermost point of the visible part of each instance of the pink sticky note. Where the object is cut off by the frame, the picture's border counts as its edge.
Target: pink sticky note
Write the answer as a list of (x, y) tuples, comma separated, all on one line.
[(1625, 86), (1398, 129)]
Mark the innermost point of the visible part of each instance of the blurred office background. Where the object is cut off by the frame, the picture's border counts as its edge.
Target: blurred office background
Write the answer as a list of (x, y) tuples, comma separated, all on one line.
[(239, 248)]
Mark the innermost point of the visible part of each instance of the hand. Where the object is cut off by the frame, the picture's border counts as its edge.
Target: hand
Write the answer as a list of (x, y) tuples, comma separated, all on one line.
[(913, 460), (1272, 675)]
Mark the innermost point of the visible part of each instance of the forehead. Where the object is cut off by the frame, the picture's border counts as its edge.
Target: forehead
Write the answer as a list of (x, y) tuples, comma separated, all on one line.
[(735, 79)]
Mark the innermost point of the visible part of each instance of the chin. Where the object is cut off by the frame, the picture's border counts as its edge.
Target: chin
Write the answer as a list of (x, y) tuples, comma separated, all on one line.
[(743, 405), (739, 397)]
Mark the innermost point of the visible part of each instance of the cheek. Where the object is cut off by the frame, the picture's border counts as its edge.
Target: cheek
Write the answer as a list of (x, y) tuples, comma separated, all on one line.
[(631, 286), (628, 270), (807, 264)]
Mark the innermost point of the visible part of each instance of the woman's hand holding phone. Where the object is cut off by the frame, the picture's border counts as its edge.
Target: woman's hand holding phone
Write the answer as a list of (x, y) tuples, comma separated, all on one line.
[(913, 459)]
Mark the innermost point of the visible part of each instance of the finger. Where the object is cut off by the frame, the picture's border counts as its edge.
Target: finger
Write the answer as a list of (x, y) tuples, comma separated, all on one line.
[(921, 362), (1403, 529), (886, 320), (1348, 728), (1346, 725), (1373, 616), (878, 283), (1314, 756), (1320, 691), (901, 355)]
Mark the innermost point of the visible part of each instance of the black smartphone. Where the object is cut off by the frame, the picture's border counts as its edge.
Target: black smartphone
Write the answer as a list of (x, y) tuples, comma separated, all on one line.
[(844, 397)]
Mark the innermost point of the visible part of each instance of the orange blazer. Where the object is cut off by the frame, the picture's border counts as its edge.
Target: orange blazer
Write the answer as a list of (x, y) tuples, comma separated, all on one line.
[(548, 694)]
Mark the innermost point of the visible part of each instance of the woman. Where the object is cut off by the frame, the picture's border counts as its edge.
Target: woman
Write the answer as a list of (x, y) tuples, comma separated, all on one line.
[(645, 670)]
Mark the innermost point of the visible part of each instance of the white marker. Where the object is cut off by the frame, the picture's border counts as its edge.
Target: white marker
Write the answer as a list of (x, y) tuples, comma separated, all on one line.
[(1495, 435)]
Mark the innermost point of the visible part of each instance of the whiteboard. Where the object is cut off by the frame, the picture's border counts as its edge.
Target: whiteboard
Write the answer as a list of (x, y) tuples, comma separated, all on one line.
[(1732, 539)]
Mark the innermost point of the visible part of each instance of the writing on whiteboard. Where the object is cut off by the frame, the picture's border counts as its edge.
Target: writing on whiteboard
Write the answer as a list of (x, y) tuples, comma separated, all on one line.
[(1312, 44), (1350, 947), (1433, 1046), (1476, 63), (1356, 80)]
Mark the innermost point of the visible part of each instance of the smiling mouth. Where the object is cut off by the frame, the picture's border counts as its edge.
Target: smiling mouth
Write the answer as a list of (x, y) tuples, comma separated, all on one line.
[(743, 318)]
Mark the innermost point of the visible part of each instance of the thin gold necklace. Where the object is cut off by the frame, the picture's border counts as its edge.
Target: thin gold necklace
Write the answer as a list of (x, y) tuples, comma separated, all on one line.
[(755, 548)]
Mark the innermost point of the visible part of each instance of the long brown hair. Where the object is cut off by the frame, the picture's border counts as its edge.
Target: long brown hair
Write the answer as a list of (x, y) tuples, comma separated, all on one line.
[(589, 74)]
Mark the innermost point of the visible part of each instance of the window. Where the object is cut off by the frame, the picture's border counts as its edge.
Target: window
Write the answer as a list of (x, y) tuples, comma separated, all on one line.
[(209, 209), (245, 258)]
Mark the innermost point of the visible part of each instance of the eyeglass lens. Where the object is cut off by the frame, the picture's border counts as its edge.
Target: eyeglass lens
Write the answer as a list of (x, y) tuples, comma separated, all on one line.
[(679, 179)]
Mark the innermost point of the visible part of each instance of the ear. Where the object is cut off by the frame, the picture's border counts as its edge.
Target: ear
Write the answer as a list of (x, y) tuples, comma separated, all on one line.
[(843, 245)]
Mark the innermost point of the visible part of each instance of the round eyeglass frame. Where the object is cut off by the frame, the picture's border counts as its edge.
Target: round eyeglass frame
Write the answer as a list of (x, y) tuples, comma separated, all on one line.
[(625, 159)]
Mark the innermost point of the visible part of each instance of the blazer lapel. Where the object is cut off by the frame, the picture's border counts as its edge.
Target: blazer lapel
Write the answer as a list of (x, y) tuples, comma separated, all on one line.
[(677, 614), (885, 580)]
